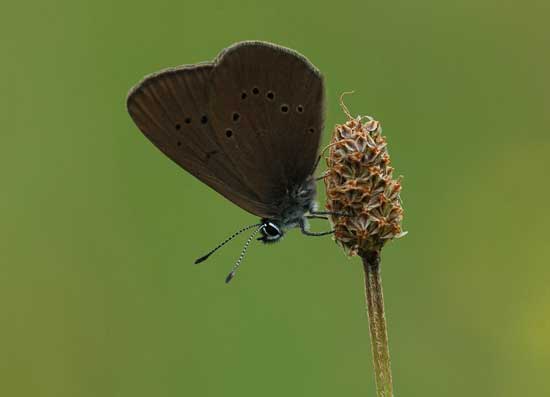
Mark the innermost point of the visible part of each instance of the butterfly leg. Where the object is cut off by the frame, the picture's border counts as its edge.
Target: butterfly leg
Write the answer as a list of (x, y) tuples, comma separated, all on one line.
[(328, 213), (322, 176), (316, 164), (316, 217), (308, 233)]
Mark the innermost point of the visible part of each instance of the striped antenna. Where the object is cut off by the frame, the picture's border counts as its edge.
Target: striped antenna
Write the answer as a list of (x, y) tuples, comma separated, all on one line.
[(205, 257), (243, 252)]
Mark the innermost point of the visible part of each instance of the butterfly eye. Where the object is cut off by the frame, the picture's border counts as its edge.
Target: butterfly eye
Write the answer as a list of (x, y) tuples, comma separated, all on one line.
[(270, 95), (255, 90), (187, 120), (236, 116), (284, 108), (243, 95), (204, 119), (272, 230), (300, 109), (228, 133)]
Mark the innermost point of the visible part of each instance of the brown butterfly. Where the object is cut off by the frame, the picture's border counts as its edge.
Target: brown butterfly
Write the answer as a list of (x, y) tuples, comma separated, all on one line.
[(248, 124)]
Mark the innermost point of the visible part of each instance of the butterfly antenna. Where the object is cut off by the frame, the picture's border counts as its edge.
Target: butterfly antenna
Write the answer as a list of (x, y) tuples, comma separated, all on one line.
[(205, 257), (243, 252)]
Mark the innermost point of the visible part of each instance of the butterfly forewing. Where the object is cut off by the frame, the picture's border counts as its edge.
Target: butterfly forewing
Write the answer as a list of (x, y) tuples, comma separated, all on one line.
[(279, 97), (247, 124)]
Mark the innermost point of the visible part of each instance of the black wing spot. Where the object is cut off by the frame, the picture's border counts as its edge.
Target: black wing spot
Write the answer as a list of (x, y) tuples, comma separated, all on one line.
[(243, 95), (178, 126), (210, 154), (204, 119), (311, 130), (178, 143), (255, 90), (284, 108), (300, 109), (236, 117), (270, 95), (187, 120), (228, 133)]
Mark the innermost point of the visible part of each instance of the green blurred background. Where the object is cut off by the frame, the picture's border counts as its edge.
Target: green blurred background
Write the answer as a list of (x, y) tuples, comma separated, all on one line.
[(98, 293)]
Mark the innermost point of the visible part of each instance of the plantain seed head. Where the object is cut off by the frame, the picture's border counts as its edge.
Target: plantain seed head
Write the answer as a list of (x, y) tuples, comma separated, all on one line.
[(359, 184)]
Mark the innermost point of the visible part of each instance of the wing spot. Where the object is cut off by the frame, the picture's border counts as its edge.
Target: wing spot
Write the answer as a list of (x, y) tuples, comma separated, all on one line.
[(270, 95), (284, 108), (311, 130), (255, 90), (228, 133), (236, 117), (300, 109), (178, 126), (204, 119), (187, 120), (210, 154), (243, 95), (178, 143)]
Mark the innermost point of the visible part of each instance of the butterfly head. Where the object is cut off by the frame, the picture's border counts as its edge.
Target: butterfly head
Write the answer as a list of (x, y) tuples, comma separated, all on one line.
[(271, 231)]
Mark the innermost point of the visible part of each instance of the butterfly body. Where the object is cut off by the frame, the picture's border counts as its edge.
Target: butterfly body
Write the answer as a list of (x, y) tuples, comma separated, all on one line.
[(299, 201)]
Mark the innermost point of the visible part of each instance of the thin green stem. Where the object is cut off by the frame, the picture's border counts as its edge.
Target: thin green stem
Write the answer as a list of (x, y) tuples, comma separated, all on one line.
[(377, 323)]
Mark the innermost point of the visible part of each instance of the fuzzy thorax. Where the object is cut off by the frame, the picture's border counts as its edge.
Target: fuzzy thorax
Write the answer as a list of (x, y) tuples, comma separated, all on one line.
[(298, 201), (359, 182)]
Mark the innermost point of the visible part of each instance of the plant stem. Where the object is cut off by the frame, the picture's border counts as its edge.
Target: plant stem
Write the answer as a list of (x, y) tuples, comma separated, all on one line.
[(377, 323)]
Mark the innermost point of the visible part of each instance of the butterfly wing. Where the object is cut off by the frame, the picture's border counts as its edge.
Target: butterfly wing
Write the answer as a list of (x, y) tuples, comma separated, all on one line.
[(248, 124)]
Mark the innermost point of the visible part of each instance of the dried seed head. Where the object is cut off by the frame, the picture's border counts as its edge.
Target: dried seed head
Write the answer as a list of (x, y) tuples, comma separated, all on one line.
[(359, 182)]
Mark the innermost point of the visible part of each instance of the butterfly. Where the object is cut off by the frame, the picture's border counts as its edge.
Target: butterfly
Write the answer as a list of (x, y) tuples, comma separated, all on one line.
[(248, 124)]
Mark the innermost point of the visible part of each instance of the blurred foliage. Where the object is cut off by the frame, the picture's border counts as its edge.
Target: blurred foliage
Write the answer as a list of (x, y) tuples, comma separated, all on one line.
[(98, 293)]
